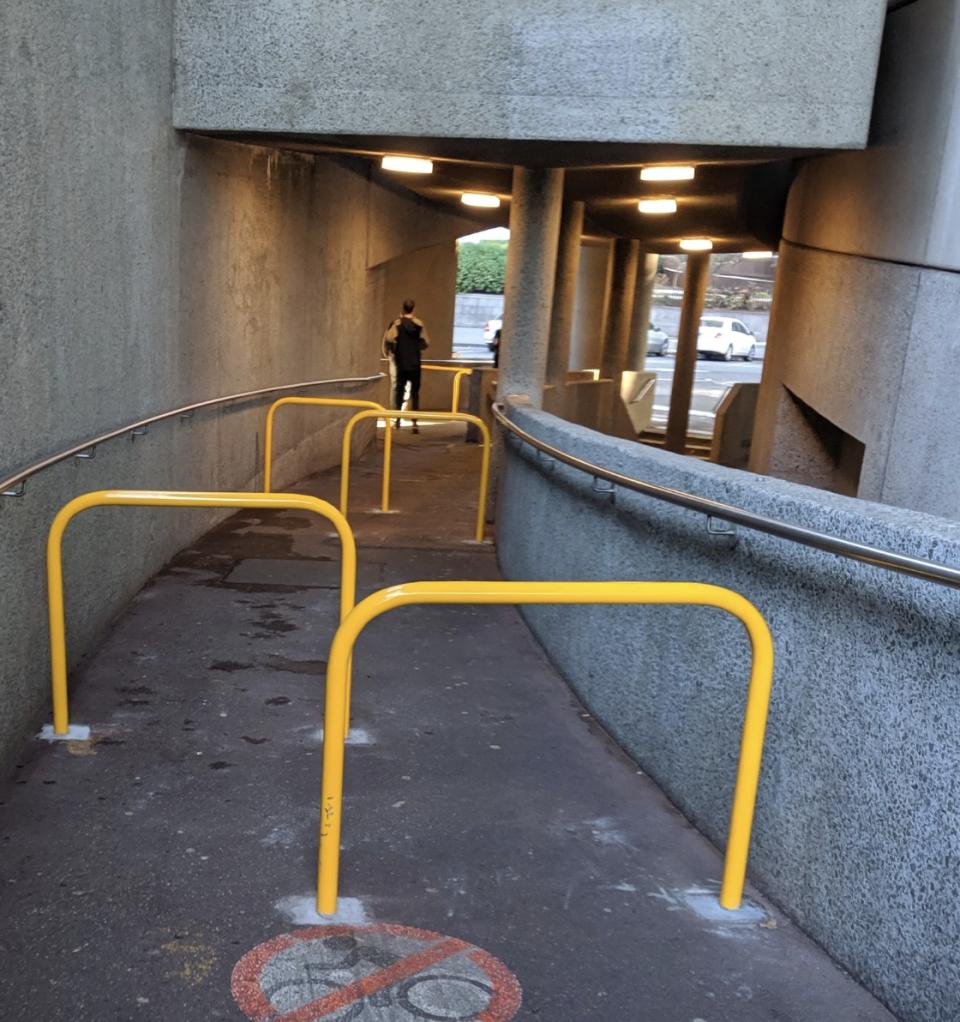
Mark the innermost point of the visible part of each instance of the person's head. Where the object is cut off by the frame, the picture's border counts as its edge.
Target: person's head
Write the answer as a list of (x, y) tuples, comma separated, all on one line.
[(408, 307)]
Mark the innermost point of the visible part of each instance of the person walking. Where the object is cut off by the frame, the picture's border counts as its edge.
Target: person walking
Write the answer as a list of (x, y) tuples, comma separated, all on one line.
[(404, 339)]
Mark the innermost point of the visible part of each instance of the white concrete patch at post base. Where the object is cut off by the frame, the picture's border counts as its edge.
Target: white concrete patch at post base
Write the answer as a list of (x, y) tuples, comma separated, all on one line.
[(857, 826), (302, 910), (74, 733)]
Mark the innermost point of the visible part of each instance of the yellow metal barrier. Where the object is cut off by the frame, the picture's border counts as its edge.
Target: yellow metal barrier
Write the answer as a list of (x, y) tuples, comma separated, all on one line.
[(338, 671), (429, 417), (173, 498), (460, 373), (268, 438)]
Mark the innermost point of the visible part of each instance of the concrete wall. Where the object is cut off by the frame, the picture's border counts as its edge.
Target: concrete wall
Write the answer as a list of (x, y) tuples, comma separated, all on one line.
[(856, 834), (142, 270), (477, 309), (863, 328), (429, 277), (642, 70), (590, 306)]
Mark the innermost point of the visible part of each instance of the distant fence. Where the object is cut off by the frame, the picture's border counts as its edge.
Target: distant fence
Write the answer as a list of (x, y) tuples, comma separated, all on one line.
[(718, 298), (477, 309)]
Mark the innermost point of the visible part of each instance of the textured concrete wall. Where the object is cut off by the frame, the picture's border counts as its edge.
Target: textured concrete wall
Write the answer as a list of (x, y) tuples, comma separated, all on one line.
[(863, 328), (856, 832), (590, 306), (712, 72), (898, 200), (142, 270), (429, 277)]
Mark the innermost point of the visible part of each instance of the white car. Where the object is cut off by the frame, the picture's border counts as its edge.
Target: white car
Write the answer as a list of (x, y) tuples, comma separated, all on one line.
[(722, 337), (657, 341), (490, 329)]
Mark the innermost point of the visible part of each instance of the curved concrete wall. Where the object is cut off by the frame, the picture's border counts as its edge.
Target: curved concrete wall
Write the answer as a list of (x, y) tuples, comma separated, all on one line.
[(709, 73), (857, 831), (863, 328), (898, 200), (141, 270)]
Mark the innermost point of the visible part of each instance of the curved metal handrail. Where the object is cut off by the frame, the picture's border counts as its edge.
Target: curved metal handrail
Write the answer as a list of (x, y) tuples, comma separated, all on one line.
[(930, 571), (72, 452)]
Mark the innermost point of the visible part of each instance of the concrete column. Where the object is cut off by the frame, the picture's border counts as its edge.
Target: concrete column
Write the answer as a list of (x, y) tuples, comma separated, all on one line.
[(642, 300), (531, 272), (590, 309), (564, 297), (694, 292), (623, 285)]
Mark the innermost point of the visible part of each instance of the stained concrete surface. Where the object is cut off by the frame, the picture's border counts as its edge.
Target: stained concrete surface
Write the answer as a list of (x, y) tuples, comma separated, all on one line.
[(138, 868), (711, 73), (856, 828)]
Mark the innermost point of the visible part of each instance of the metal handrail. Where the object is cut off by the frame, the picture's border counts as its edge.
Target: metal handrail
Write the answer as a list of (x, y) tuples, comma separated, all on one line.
[(20, 477), (930, 571)]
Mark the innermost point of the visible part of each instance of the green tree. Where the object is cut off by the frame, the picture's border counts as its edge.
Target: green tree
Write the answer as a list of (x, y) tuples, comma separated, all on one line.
[(481, 267)]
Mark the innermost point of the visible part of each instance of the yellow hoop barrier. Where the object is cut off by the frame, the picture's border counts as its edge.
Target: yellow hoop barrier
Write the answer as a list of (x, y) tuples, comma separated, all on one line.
[(428, 417), (460, 373), (689, 593), (268, 436), (172, 498)]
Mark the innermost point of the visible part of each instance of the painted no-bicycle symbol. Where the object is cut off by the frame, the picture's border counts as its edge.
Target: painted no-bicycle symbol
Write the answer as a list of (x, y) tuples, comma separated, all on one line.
[(375, 973)]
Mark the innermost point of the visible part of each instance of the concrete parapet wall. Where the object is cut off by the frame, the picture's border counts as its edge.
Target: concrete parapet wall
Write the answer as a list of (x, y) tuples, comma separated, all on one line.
[(857, 831), (751, 73)]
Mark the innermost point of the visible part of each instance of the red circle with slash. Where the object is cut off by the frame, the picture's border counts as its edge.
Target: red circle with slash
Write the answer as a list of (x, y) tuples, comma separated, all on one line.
[(377, 973)]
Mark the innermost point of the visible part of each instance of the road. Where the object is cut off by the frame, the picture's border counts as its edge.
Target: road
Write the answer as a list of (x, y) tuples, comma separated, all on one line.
[(468, 342), (709, 386), (710, 383)]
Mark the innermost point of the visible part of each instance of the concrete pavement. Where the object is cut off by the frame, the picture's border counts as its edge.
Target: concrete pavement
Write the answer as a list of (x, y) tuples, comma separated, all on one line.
[(484, 803)]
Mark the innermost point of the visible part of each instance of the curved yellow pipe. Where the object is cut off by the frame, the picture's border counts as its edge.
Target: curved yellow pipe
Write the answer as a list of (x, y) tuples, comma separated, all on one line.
[(429, 417), (460, 373), (690, 593), (268, 433), (169, 498)]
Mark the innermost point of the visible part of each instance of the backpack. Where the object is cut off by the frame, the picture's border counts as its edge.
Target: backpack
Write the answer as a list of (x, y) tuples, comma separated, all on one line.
[(409, 343)]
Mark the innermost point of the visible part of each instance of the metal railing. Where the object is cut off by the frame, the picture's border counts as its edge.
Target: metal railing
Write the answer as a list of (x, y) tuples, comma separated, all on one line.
[(890, 560), (325, 402), (86, 449), (337, 702), (171, 498), (458, 375), (428, 417)]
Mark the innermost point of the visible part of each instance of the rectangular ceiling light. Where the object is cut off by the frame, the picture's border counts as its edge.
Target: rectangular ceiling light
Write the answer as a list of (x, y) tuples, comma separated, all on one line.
[(407, 164), (696, 244), (758, 255), (480, 199), (667, 173), (658, 205)]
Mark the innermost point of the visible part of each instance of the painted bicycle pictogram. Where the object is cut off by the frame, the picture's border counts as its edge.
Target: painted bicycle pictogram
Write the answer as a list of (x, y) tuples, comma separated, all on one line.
[(374, 973)]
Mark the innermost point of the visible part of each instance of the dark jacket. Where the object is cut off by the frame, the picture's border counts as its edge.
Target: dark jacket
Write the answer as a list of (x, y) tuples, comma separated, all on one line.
[(405, 339)]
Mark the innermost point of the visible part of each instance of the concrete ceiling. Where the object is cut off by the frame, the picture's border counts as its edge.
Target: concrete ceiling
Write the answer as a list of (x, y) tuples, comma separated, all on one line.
[(737, 198)]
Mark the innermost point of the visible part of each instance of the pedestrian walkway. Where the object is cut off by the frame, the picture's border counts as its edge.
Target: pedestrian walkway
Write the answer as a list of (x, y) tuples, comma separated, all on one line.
[(482, 803)]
